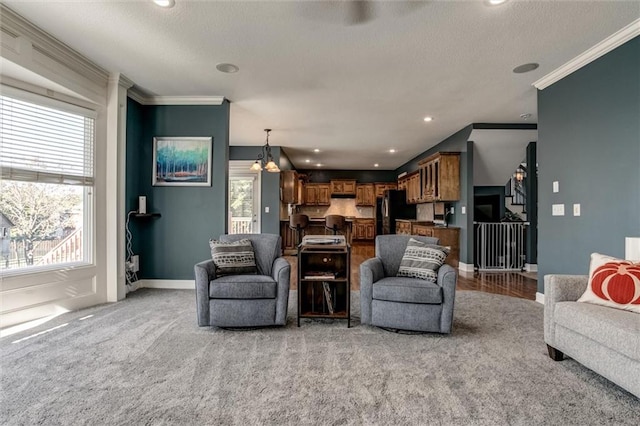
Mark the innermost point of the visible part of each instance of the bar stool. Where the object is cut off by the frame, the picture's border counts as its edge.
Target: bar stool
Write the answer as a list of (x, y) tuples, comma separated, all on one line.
[(335, 223), (298, 222)]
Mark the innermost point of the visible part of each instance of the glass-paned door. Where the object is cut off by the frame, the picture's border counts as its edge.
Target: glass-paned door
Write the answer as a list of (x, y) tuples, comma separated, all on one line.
[(244, 202)]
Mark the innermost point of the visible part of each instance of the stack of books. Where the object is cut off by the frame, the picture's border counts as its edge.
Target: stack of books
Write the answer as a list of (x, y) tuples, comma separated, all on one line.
[(320, 275)]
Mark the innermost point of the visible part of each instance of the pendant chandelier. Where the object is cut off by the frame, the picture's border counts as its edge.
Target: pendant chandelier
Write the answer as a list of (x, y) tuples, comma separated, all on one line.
[(265, 159)]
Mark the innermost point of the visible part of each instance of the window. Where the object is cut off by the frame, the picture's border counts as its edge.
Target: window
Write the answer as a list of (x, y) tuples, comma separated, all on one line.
[(47, 178)]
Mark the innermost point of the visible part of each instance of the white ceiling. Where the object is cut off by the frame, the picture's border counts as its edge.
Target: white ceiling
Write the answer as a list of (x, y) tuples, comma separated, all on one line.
[(353, 91)]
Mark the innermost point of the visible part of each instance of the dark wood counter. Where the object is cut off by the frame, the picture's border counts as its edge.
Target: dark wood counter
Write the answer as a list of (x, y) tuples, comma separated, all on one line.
[(315, 227)]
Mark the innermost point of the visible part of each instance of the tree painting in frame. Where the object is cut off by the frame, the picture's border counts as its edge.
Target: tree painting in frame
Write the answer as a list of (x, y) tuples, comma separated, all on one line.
[(182, 161)]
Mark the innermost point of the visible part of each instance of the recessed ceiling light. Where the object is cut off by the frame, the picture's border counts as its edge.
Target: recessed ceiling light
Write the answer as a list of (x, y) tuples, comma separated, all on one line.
[(525, 68), (392, 150), (165, 3), (316, 150), (428, 119), (227, 68), (307, 161), (318, 165), (376, 165), (495, 2)]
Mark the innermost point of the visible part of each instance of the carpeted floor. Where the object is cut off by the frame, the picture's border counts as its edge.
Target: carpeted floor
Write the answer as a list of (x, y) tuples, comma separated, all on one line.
[(144, 361)]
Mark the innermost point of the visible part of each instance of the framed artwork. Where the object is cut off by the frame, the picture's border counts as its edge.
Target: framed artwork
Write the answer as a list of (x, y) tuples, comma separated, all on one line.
[(182, 161)]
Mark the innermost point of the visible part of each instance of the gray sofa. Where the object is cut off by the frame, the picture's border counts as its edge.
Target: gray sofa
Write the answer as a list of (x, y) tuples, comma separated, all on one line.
[(603, 339), (404, 303), (245, 300)]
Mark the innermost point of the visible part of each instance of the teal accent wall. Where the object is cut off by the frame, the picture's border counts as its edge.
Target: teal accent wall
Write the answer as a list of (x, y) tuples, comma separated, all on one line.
[(270, 185), (169, 246), (589, 141), (458, 142)]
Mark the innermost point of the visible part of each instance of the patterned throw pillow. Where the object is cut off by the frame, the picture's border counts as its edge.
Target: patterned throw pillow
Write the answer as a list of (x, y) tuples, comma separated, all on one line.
[(233, 258), (422, 260), (614, 283)]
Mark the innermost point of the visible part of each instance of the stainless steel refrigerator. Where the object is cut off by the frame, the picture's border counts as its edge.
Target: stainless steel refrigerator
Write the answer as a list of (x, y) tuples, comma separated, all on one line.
[(394, 206)]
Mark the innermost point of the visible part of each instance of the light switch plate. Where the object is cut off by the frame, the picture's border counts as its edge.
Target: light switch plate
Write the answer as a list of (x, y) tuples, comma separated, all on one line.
[(266, 209), (463, 209), (576, 209), (557, 210), (556, 186)]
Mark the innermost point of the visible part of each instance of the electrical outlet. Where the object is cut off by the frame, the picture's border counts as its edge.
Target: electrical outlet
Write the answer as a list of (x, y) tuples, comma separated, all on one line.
[(135, 263)]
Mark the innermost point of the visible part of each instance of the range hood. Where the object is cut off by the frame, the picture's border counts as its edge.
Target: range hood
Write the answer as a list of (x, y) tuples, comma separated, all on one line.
[(343, 195)]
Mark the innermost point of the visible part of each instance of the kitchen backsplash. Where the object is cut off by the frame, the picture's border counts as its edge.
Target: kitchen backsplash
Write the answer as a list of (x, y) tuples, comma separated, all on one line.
[(340, 206), (425, 212)]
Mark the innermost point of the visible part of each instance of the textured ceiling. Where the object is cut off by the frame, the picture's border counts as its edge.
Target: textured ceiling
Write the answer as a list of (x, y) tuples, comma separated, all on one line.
[(353, 91)]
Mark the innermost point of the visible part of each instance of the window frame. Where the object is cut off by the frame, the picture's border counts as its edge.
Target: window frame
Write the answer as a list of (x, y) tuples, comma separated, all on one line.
[(89, 190)]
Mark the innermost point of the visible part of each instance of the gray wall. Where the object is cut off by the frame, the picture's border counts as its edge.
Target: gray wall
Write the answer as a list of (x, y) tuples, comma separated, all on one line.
[(589, 141), (457, 142), (169, 246), (270, 185)]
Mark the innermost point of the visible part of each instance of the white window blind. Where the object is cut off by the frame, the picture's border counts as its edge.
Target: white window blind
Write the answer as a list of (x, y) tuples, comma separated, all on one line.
[(43, 144)]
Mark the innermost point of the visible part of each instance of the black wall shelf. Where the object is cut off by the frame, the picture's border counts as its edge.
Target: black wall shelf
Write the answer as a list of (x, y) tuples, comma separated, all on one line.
[(146, 215)]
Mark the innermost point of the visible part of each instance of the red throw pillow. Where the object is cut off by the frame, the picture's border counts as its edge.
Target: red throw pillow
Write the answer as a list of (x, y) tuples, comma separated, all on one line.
[(614, 283)]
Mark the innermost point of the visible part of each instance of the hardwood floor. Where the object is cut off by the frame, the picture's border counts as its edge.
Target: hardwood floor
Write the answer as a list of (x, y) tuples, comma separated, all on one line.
[(507, 283)]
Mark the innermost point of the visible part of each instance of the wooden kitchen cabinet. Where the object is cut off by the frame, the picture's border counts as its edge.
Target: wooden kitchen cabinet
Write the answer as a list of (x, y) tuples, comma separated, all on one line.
[(324, 195), (370, 231), (413, 188), (365, 195), (402, 183), (403, 227), (317, 194), (364, 229), (290, 186), (343, 187), (380, 187), (440, 177)]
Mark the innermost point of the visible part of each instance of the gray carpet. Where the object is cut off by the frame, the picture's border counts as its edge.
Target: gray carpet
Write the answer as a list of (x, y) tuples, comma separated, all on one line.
[(145, 361)]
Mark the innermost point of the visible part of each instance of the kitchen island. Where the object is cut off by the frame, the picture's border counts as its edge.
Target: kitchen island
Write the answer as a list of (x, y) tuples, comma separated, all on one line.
[(315, 227)]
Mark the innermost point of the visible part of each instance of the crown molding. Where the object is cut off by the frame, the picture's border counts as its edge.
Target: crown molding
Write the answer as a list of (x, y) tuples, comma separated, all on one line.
[(185, 100), (605, 46), (121, 80), (137, 95), (48, 45)]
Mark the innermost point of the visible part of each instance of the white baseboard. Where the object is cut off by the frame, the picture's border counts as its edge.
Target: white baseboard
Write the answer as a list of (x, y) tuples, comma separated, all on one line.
[(466, 267), (168, 284), (531, 267), (540, 298)]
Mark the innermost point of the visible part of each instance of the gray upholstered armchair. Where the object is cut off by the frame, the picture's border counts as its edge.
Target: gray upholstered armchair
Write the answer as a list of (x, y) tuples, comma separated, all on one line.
[(245, 300), (400, 302)]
